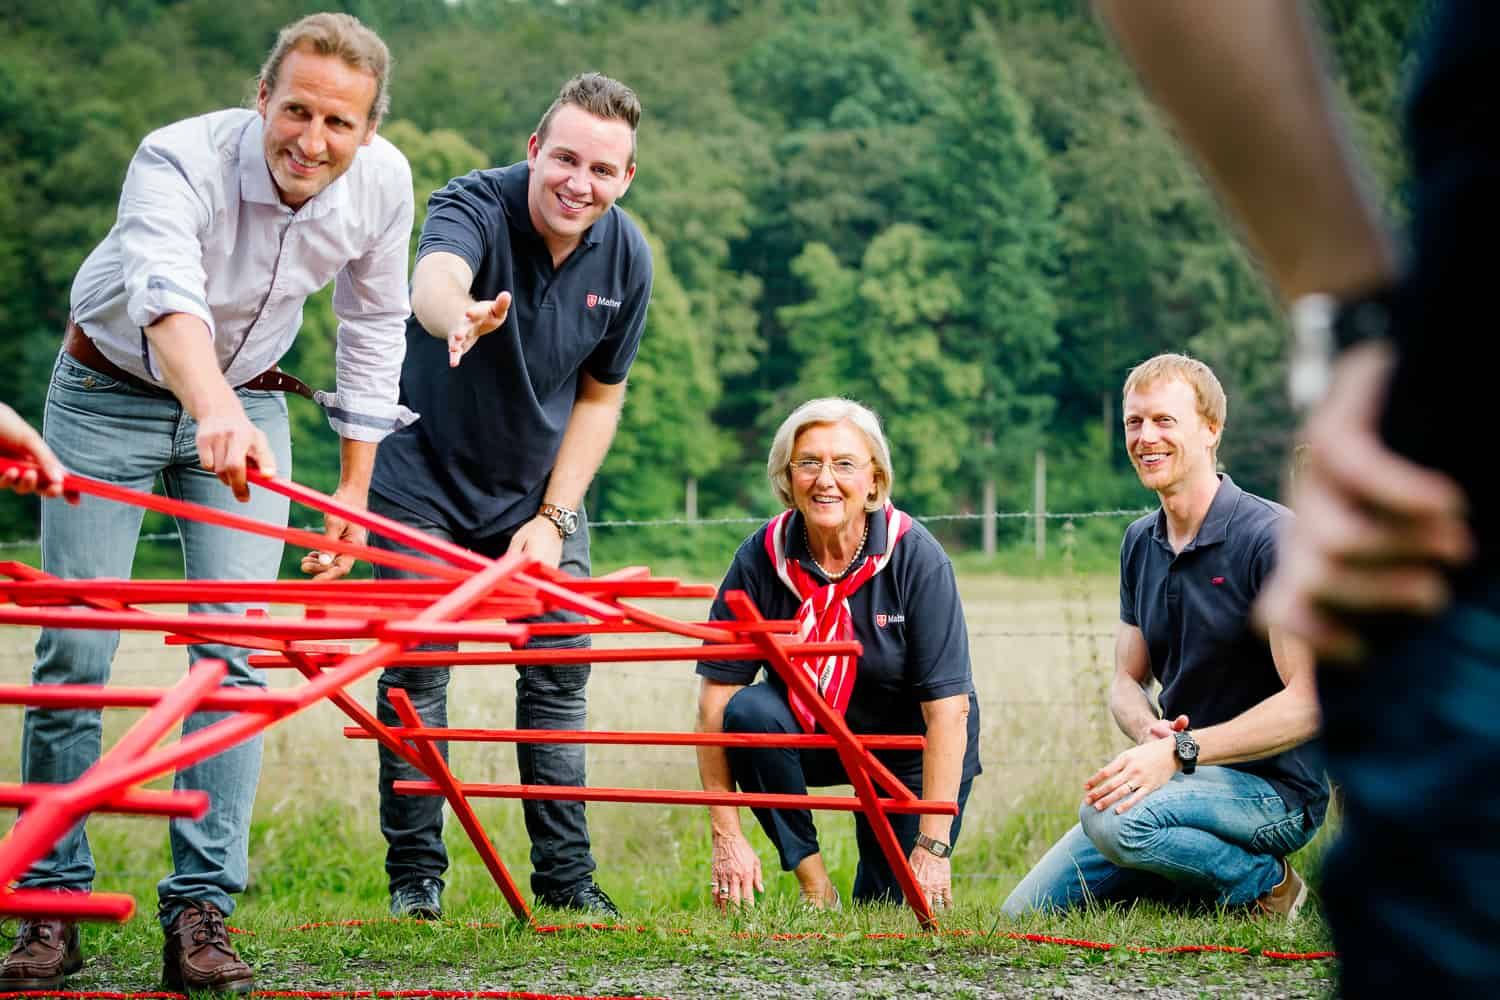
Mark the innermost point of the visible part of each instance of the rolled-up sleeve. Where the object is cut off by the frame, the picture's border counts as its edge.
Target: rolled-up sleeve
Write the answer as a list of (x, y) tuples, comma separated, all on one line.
[(371, 302), (160, 226)]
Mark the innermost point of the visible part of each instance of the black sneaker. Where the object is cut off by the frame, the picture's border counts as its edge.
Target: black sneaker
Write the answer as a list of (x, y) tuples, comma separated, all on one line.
[(583, 896), (420, 898)]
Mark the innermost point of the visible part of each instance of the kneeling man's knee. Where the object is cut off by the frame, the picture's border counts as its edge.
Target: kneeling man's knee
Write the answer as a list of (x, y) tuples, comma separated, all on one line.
[(1120, 837)]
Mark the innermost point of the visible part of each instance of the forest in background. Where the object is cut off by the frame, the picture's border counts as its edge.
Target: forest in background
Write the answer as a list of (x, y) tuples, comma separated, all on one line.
[(963, 214)]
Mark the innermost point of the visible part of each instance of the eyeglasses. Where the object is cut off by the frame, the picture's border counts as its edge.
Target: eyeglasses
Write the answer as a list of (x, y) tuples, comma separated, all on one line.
[(843, 468)]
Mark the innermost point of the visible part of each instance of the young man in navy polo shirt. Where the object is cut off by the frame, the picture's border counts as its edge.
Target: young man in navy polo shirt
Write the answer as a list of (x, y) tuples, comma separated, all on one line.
[(1219, 788), (529, 298)]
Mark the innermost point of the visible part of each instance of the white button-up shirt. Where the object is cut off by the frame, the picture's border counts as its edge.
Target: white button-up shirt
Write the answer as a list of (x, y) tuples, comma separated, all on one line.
[(201, 230)]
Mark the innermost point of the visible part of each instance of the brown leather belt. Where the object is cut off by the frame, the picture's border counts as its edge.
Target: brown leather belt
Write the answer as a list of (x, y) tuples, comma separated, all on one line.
[(79, 347)]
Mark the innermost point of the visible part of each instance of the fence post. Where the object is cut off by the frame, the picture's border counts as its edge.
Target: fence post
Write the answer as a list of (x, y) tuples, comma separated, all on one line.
[(690, 499), (988, 522), (1039, 503)]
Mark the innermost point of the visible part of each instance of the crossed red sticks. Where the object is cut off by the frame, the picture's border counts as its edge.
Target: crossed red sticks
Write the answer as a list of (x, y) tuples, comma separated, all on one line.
[(466, 598)]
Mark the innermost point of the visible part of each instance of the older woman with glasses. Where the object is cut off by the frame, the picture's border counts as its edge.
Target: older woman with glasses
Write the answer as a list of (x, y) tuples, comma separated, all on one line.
[(844, 561)]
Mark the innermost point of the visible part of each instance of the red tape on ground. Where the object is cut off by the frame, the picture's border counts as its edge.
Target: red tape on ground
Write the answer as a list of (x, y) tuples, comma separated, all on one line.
[(1176, 949), (326, 995)]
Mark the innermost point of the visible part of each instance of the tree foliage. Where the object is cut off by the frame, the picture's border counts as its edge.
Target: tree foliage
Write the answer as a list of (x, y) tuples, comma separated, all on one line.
[(964, 214)]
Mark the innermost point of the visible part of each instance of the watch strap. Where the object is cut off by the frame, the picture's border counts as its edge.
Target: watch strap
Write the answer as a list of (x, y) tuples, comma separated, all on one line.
[(934, 847), (1324, 325), (563, 519), (1187, 757)]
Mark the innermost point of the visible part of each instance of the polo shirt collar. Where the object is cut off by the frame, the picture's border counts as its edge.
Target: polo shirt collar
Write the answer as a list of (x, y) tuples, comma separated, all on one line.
[(256, 184), (515, 186), (1215, 526)]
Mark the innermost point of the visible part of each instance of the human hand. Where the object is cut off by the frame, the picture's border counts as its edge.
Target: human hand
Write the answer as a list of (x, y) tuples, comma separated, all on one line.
[(1374, 533), (479, 319), (327, 565), (1132, 775), (227, 442), (538, 538), (735, 875), (1161, 728), (934, 877), (19, 438)]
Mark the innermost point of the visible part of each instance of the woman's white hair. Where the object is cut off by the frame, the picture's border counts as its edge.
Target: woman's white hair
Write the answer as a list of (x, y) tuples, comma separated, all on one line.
[(829, 410)]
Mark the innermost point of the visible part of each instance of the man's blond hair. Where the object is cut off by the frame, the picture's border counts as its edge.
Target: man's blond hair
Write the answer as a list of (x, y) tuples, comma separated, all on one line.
[(342, 35), (1212, 405)]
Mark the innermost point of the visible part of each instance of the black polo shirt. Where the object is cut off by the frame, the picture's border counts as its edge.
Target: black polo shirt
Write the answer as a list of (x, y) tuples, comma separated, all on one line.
[(1193, 607), (479, 457), (907, 616)]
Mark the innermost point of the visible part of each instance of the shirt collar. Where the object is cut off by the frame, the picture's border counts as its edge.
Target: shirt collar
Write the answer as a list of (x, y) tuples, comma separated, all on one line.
[(1215, 526), (256, 184), (255, 177), (515, 188)]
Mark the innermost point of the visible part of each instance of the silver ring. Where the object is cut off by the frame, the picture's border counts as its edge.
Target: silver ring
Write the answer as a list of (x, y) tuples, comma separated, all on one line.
[(723, 890)]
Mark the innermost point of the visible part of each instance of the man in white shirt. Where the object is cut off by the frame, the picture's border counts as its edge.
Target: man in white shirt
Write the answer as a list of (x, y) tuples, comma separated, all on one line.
[(227, 223)]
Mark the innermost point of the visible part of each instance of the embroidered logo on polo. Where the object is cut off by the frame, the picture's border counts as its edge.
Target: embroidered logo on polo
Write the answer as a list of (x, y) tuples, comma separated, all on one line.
[(882, 619), (594, 299), (1218, 581)]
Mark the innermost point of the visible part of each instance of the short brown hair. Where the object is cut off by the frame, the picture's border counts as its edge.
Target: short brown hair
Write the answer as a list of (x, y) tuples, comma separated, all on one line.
[(600, 96), (342, 35), (1212, 406)]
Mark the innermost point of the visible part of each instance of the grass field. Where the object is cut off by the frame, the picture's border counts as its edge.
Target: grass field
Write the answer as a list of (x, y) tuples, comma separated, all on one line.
[(1041, 650)]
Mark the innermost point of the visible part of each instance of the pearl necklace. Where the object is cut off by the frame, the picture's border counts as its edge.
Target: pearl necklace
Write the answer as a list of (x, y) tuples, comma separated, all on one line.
[(835, 577)]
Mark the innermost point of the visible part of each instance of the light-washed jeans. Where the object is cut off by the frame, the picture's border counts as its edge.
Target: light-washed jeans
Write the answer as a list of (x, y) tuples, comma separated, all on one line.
[(546, 698), (102, 428), (1218, 835)]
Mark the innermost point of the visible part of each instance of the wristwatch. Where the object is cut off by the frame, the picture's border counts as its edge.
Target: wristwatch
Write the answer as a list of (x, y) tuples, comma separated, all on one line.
[(1323, 326), (936, 847), (565, 520), (1187, 751)]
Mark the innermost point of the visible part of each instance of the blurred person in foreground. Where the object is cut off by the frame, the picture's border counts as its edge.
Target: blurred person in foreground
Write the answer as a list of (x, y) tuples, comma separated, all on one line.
[(529, 302), (1219, 788), (1391, 567), (227, 223), (20, 439), (847, 563)]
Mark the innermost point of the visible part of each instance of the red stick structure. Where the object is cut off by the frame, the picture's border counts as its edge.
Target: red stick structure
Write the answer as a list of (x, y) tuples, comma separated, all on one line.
[(467, 598)]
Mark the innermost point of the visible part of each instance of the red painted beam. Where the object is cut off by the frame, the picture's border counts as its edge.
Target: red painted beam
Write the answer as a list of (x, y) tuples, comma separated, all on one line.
[(636, 738), (672, 797)]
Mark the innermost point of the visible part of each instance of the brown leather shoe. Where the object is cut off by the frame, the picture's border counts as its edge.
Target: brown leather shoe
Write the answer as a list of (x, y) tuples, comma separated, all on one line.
[(197, 954), (46, 952), (1286, 898)]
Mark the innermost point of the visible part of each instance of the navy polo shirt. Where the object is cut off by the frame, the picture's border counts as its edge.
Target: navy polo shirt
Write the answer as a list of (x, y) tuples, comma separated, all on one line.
[(907, 617), (1193, 607), (478, 459)]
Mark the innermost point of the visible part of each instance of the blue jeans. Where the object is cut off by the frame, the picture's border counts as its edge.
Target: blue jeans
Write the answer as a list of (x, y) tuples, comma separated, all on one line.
[(1412, 885), (107, 430), (1217, 835), (546, 698), (759, 708)]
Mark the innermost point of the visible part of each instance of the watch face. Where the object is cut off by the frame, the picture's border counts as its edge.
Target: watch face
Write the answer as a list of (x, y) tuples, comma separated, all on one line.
[(1187, 747)]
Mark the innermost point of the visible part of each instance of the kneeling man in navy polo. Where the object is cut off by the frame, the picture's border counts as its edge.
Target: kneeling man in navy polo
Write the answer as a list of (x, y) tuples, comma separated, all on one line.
[(1219, 787)]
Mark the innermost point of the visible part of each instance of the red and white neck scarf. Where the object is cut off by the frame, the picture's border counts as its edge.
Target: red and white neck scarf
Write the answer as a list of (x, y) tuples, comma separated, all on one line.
[(824, 615)]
